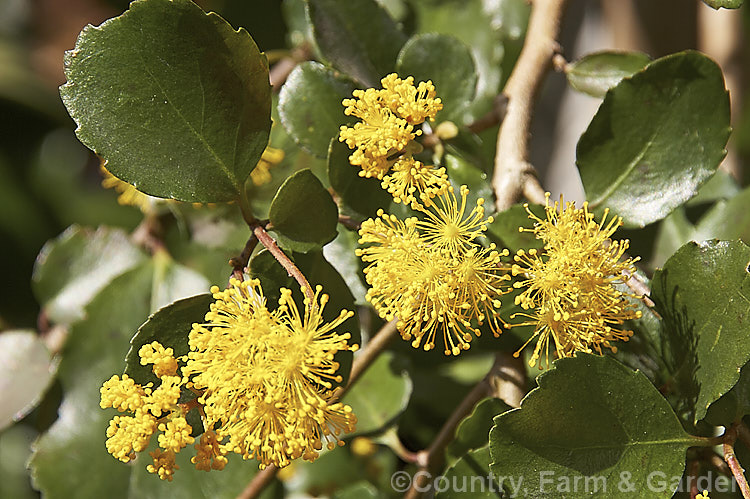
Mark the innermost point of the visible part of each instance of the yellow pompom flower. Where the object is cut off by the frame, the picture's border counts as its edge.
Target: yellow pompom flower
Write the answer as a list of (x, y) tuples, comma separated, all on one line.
[(433, 275), (448, 226), (411, 181), (573, 286), (152, 410), (385, 135), (267, 377)]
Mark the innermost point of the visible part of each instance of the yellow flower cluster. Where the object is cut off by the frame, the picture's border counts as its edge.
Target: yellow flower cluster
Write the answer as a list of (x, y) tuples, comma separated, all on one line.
[(268, 377), (432, 274), (264, 380), (262, 172), (384, 139), (571, 286), (150, 410)]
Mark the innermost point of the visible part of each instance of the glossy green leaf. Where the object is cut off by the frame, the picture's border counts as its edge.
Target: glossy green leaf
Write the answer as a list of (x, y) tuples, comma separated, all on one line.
[(449, 64), (169, 326), (174, 99), (73, 268), (726, 4), (363, 195), (360, 490), (463, 172), (656, 138), (72, 450), (473, 432), (15, 450), (591, 419), (702, 294), (358, 38), (470, 476), (504, 232), (733, 405), (26, 370), (340, 252), (303, 212), (727, 219), (380, 396), (310, 106), (596, 73), (674, 231), (493, 30)]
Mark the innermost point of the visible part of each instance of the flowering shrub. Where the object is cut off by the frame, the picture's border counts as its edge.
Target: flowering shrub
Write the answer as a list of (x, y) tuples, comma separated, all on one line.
[(379, 189)]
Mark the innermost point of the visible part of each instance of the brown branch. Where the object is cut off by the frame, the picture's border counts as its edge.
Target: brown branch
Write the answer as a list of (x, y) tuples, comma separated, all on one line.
[(260, 481), (693, 470), (349, 223), (239, 263), (493, 117), (512, 169), (431, 458), (730, 437), (366, 357), (285, 261)]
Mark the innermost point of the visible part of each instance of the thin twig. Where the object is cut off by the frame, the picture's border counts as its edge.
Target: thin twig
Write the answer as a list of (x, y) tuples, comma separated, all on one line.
[(730, 437), (494, 117), (349, 223), (431, 458), (512, 169), (693, 470), (361, 362), (285, 261), (239, 263)]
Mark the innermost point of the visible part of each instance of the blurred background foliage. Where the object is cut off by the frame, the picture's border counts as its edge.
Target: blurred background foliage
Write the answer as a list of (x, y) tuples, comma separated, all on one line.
[(49, 181)]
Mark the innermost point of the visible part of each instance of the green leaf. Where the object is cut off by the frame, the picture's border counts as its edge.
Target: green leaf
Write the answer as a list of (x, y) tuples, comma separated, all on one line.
[(656, 138), (504, 232), (26, 370), (727, 219), (733, 405), (493, 30), (72, 269), (379, 396), (359, 38), (590, 423), (15, 450), (169, 326), (473, 432), (726, 4), (471, 474), (340, 253), (310, 106), (303, 212), (463, 172), (594, 74), (264, 267), (702, 295), (360, 490), (363, 195), (449, 64), (72, 450), (174, 99)]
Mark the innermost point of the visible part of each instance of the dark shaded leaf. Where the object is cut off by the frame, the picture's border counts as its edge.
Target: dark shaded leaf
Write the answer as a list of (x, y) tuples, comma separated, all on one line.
[(174, 99), (359, 38), (303, 212)]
